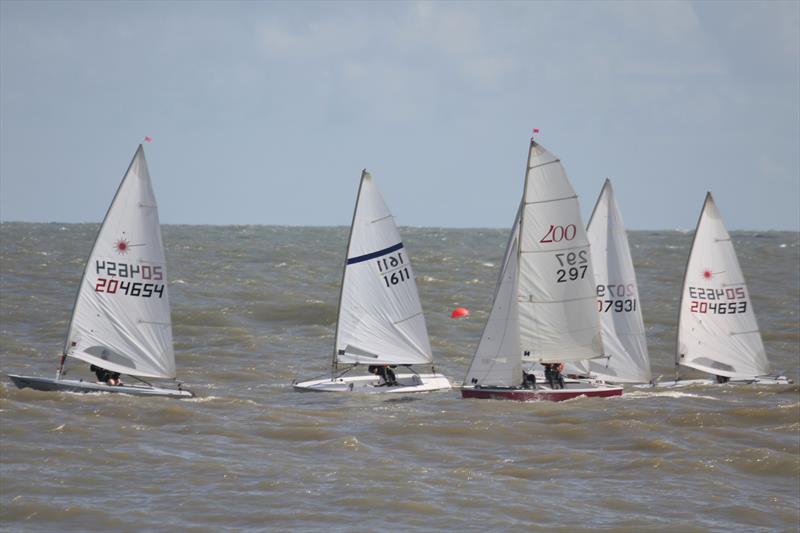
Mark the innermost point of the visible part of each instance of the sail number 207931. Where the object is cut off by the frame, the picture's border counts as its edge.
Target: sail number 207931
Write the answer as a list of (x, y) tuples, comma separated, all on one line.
[(393, 269)]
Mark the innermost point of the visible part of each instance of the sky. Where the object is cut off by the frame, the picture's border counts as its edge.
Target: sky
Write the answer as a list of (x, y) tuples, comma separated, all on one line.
[(266, 112)]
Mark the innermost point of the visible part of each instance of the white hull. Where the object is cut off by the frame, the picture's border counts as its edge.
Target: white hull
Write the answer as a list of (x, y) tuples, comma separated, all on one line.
[(407, 383), (71, 385), (758, 380)]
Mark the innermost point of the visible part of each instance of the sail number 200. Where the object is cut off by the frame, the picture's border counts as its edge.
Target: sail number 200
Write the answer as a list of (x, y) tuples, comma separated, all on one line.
[(574, 265)]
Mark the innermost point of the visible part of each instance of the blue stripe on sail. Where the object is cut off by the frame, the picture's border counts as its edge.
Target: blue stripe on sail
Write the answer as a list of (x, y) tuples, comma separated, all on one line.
[(373, 255)]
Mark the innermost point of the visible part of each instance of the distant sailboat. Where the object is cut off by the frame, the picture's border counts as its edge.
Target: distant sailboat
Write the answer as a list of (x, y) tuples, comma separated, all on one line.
[(717, 329), (544, 303), (618, 302), (121, 318), (380, 324)]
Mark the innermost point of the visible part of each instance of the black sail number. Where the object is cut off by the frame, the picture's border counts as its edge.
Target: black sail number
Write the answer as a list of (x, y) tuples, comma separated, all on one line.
[(573, 266)]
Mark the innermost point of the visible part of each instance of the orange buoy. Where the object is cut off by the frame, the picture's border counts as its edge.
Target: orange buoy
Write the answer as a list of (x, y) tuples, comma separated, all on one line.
[(459, 312)]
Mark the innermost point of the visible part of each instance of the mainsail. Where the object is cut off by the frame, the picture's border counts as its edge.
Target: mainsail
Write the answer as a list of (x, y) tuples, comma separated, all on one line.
[(380, 316), (544, 304), (121, 319), (556, 291), (618, 302), (717, 328)]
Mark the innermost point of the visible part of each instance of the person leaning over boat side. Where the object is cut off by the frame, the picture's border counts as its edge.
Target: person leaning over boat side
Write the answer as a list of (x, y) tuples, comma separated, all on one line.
[(105, 376), (552, 373)]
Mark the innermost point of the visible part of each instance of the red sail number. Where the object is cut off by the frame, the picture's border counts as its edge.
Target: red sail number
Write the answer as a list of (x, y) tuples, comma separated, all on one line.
[(559, 233)]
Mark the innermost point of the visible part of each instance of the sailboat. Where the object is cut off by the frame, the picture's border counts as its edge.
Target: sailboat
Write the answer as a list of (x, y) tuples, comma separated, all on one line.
[(380, 323), (544, 303), (121, 317), (618, 305), (717, 329)]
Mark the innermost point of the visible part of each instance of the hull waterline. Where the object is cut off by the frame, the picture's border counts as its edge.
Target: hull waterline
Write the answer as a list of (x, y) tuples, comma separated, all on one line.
[(540, 394), (70, 385), (407, 383)]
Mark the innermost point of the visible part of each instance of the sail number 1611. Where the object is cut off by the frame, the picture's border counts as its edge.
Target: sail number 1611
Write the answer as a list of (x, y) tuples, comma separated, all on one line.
[(393, 269)]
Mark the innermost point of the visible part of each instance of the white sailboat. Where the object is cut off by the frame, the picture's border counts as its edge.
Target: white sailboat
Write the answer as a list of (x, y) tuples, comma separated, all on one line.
[(121, 318), (380, 323), (618, 304), (544, 303), (717, 329)]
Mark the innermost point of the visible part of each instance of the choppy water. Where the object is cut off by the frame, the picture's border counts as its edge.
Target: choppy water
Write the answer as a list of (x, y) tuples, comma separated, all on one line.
[(254, 308)]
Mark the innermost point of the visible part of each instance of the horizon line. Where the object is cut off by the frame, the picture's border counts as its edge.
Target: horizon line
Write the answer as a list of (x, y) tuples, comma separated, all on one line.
[(677, 230)]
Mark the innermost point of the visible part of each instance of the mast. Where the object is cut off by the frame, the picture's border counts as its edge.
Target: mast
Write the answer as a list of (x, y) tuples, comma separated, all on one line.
[(683, 286), (344, 270), (522, 204), (606, 185), (91, 253)]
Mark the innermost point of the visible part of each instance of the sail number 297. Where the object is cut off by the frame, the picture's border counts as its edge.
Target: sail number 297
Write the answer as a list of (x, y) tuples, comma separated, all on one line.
[(573, 266), (393, 269)]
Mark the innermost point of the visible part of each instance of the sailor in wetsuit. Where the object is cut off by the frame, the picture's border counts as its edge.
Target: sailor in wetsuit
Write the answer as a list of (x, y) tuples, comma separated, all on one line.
[(552, 373), (385, 373), (106, 376)]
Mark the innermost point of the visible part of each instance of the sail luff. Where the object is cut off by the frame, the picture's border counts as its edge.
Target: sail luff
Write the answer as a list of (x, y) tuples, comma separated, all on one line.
[(335, 360), (94, 246), (683, 285)]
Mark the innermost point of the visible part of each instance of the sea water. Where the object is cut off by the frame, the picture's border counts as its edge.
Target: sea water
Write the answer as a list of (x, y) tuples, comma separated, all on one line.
[(254, 307)]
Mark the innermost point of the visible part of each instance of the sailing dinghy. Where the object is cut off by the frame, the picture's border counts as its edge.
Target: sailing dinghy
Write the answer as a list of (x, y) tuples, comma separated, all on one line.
[(544, 303), (717, 329), (380, 323), (618, 305), (121, 318)]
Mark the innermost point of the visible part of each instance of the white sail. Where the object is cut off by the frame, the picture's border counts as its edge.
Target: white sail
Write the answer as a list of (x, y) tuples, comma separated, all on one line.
[(717, 328), (121, 319), (380, 316), (618, 302), (556, 290), (497, 361)]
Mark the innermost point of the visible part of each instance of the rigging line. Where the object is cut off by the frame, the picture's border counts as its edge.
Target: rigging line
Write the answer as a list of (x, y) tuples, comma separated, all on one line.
[(140, 379), (732, 333), (156, 323), (553, 200)]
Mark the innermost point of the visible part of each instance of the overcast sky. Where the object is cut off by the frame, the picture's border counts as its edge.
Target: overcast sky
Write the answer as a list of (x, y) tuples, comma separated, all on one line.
[(266, 112)]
